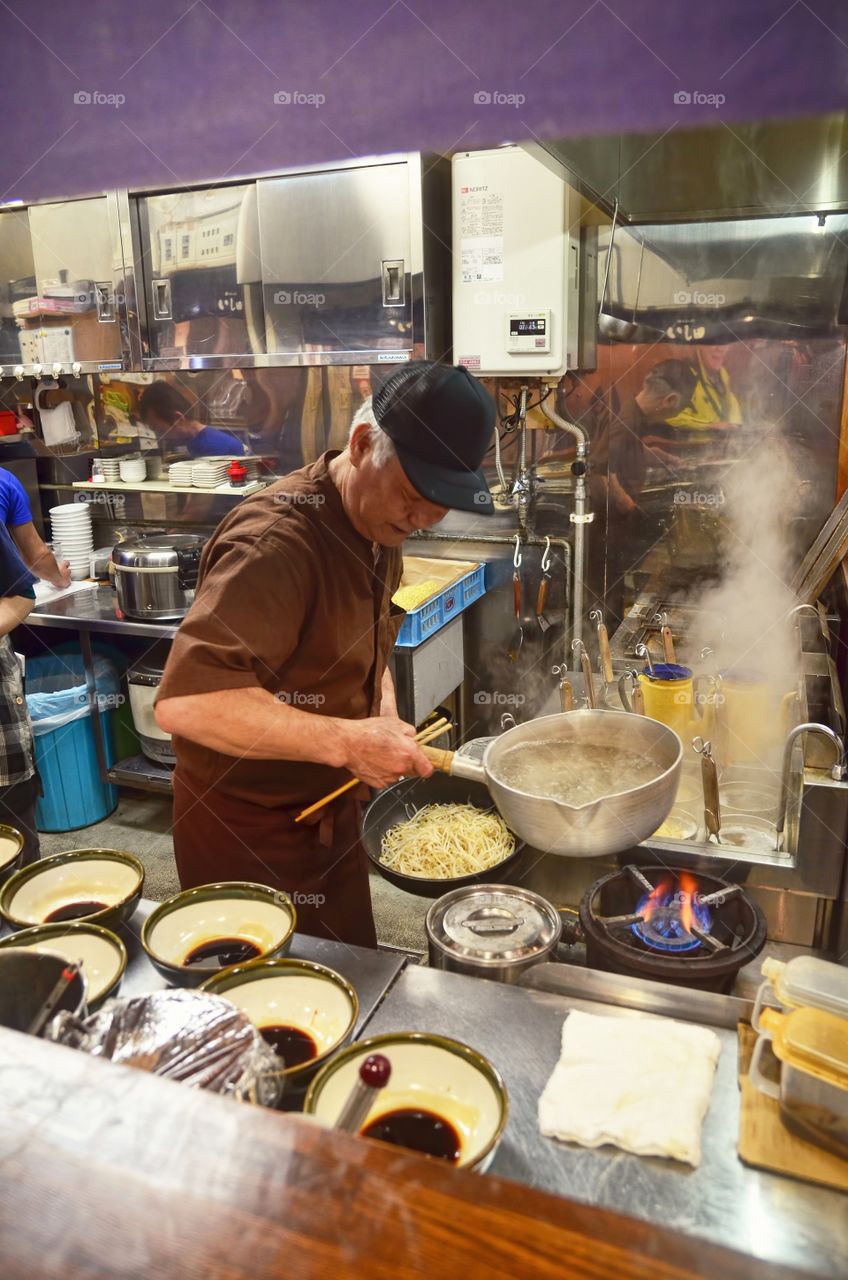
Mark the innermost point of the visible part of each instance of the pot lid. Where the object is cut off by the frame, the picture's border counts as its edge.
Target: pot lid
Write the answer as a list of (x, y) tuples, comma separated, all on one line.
[(161, 552), (493, 923)]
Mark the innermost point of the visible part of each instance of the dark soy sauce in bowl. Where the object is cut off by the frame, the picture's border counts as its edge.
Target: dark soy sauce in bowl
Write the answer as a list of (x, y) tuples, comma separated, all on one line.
[(223, 952), (291, 1044), (73, 911), (418, 1130)]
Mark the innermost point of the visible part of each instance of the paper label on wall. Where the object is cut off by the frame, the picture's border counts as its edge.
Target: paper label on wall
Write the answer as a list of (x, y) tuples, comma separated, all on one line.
[(481, 258), (481, 226)]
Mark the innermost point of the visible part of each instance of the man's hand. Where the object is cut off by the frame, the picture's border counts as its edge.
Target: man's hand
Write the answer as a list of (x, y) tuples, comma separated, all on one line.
[(63, 577), (380, 750)]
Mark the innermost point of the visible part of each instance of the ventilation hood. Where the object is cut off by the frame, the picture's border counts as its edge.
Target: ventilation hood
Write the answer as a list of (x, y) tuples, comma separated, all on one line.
[(726, 232)]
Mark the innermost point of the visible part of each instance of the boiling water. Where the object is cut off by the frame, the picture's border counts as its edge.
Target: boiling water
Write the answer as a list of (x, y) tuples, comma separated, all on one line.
[(574, 772)]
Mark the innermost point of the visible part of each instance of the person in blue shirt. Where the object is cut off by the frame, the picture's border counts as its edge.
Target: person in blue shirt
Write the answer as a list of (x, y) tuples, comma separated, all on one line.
[(173, 416), (20, 786), (16, 518)]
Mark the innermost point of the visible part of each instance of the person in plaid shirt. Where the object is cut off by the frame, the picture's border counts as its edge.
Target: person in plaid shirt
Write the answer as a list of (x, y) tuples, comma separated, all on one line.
[(19, 783)]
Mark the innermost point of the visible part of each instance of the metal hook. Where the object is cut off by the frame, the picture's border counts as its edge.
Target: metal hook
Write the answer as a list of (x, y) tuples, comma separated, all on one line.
[(546, 556), (559, 669), (701, 747), (661, 619), (516, 559), (595, 615), (574, 644), (642, 651)]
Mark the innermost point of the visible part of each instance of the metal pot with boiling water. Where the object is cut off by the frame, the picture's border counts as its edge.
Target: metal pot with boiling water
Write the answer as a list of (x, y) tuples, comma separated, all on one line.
[(582, 784)]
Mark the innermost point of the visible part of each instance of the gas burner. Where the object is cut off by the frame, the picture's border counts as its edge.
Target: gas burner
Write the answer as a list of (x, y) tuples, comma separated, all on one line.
[(671, 925), (673, 918)]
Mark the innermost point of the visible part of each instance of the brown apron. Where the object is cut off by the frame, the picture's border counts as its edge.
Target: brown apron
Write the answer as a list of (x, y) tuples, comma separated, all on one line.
[(320, 863)]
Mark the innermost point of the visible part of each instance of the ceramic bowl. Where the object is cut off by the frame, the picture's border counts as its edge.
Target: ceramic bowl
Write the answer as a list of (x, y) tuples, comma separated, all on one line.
[(429, 1073), (101, 953), (257, 922), (317, 1003), (11, 850), (100, 885), (26, 981)]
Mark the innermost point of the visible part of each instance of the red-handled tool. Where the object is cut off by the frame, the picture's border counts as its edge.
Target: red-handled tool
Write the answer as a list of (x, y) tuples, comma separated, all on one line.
[(374, 1074)]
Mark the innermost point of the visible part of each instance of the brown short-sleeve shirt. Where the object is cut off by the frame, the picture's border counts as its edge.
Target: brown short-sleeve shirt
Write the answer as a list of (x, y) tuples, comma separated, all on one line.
[(292, 599)]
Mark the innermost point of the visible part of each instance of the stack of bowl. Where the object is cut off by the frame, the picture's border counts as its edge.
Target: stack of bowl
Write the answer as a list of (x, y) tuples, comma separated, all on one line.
[(133, 470), (111, 469), (73, 540)]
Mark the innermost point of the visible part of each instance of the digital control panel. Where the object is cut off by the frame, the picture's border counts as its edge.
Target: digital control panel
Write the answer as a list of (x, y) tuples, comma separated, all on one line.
[(528, 331)]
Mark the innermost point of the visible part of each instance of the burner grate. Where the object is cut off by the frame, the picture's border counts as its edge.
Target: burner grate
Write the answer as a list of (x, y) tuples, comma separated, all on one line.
[(671, 924)]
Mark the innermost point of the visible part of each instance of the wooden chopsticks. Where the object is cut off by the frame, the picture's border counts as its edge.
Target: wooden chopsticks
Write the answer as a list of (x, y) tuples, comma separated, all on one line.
[(435, 730)]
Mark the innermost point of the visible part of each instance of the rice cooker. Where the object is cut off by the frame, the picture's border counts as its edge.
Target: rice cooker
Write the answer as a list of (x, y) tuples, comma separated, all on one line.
[(155, 578), (143, 679)]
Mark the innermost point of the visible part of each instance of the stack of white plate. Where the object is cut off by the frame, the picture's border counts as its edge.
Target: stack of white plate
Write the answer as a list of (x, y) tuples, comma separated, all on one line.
[(207, 473), (180, 473), (111, 469), (133, 470), (72, 536)]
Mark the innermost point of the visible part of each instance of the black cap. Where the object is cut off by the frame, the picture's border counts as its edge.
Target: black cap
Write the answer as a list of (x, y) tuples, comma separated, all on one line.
[(440, 420)]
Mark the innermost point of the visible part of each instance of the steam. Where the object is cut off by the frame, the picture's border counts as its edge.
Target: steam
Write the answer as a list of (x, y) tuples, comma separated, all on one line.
[(744, 616)]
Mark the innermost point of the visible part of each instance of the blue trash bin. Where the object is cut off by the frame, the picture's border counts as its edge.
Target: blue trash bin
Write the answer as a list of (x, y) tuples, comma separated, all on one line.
[(65, 754)]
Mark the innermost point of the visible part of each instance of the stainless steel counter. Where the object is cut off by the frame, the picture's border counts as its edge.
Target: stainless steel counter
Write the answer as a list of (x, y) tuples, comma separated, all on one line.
[(94, 610), (772, 1218)]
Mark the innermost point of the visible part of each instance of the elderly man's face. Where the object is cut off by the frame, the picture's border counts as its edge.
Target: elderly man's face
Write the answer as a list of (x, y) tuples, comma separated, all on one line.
[(385, 506)]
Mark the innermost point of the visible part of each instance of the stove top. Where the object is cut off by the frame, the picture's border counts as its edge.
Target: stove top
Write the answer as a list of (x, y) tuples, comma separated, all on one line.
[(671, 925)]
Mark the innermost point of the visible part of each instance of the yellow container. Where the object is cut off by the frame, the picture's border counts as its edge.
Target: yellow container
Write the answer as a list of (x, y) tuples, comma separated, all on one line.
[(669, 696)]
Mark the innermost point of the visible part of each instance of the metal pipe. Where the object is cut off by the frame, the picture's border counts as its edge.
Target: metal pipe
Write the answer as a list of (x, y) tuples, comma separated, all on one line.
[(835, 773), (521, 487), (580, 517)]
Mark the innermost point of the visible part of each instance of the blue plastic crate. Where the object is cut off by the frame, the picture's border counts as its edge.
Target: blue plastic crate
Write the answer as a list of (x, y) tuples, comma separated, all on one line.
[(423, 622)]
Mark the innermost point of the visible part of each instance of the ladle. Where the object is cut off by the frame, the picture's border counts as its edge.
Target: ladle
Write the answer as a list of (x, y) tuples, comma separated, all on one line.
[(587, 673), (837, 771), (604, 655), (709, 779), (667, 637), (544, 584), (566, 690), (518, 635)]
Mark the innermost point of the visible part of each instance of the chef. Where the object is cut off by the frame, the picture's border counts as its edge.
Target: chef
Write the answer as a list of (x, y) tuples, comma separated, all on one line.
[(277, 689)]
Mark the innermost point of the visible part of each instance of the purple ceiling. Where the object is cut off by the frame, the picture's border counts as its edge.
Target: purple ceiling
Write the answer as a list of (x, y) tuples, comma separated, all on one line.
[(98, 95)]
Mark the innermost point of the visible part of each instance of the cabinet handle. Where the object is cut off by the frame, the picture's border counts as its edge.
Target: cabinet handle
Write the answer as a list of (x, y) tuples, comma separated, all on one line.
[(394, 283), (162, 299), (105, 302)]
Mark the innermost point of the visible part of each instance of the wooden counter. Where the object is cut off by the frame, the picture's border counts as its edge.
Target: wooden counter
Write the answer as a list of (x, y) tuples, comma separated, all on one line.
[(108, 1172)]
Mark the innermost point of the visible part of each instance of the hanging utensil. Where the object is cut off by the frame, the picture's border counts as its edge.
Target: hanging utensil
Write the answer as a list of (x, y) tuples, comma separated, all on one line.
[(666, 636), (631, 699), (586, 666), (566, 689), (518, 635), (709, 779), (642, 651), (544, 584), (604, 655)]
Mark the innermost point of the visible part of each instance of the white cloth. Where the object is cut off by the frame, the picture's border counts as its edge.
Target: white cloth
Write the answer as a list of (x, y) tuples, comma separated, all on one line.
[(641, 1083)]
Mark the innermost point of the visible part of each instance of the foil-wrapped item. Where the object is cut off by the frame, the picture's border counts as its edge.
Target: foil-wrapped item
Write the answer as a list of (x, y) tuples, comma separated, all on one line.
[(200, 1039)]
